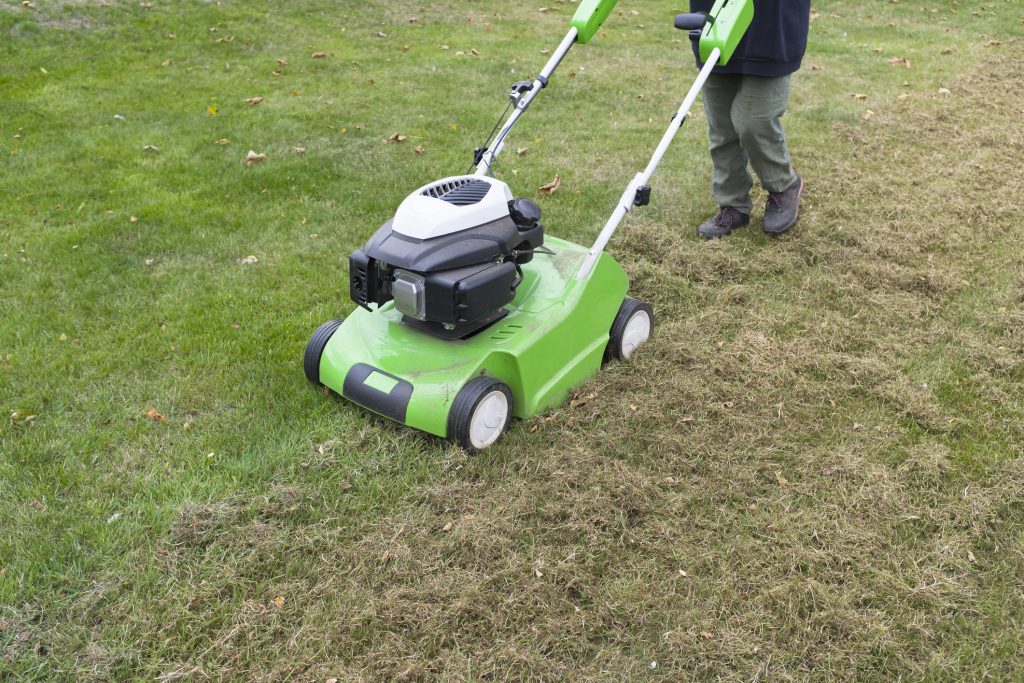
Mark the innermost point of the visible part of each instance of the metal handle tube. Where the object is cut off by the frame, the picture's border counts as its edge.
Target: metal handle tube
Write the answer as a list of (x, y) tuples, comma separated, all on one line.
[(524, 102), (626, 203)]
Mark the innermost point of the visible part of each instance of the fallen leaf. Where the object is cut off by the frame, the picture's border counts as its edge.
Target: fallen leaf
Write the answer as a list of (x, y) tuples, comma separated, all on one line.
[(37, 505), (868, 115), (398, 137), (282, 62), (971, 557), (21, 417), (419, 149), (153, 149), (154, 415), (319, 55), (448, 527), (254, 100), (551, 187), (253, 158), (279, 601), (248, 260), (860, 96), (577, 402), (133, 219), (522, 150), (299, 150), (945, 91), (899, 60), (707, 636), (781, 479), (211, 110), (222, 141)]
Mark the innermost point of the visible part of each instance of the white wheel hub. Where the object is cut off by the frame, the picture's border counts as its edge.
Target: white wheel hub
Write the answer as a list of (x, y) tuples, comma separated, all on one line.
[(489, 418), (638, 330)]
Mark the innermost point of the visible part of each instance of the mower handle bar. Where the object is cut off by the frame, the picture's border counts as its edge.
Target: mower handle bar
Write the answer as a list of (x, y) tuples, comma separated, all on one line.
[(541, 82), (630, 197)]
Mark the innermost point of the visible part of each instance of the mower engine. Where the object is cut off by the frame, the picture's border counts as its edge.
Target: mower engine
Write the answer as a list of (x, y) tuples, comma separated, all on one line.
[(450, 258)]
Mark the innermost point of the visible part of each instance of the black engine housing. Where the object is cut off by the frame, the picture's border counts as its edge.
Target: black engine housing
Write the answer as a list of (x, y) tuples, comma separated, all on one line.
[(467, 276)]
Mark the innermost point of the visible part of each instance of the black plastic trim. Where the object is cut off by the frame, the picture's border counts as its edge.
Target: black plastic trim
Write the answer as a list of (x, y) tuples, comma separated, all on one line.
[(393, 405)]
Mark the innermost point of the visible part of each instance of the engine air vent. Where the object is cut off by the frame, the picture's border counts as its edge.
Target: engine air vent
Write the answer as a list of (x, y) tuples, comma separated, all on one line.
[(461, 192)]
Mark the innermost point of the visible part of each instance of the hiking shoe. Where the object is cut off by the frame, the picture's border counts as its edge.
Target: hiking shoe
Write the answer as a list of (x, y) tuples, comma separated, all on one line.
[(727, 220), (783, 208)]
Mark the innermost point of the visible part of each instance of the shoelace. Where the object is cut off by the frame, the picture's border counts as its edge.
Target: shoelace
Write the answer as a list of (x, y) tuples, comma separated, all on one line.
[(776, 199), (725, 217)]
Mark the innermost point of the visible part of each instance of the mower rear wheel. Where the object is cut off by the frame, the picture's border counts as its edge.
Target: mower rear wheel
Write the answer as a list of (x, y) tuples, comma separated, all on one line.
[(480, 414), (632, 327), (315, 349)]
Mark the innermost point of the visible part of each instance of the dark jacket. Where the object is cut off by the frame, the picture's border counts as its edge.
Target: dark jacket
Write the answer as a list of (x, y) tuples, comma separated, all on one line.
[(775, 42)]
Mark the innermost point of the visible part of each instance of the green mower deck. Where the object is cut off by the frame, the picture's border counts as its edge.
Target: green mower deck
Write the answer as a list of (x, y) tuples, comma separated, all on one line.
[(553, 339)]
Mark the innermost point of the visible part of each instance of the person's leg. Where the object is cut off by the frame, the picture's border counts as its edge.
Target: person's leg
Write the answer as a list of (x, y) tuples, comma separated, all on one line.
[(730, 179), (759, 105)]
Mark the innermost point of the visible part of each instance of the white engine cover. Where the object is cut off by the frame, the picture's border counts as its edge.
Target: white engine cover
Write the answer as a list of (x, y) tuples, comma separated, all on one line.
[(422, 216)]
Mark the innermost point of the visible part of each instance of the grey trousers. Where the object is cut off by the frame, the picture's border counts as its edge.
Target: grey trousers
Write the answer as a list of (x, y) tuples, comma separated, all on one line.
[(744, 128)]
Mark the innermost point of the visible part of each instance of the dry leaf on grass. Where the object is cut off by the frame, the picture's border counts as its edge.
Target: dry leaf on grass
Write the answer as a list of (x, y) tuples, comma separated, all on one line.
[(522, 150), (248, 260), (398, 137), (419, 149), (899, 60), (253, 158), (154, 415), (222, 141), (254, 100), (319, 55), (551, 187)]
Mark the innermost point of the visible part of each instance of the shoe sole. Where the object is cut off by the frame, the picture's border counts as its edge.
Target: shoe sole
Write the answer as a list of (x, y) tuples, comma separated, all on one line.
[(728, 232), (776, 233)]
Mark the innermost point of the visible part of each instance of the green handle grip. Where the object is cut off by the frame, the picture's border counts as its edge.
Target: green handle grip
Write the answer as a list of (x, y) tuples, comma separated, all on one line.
[(589, 17), (731, 20)]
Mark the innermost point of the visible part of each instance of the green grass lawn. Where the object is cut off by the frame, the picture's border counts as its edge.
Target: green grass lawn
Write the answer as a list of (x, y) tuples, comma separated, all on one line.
[(815, 471)]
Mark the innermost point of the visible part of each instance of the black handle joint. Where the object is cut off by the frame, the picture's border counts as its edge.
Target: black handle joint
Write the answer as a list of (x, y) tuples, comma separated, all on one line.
[(643, 196), (478, 155), (518, 88)]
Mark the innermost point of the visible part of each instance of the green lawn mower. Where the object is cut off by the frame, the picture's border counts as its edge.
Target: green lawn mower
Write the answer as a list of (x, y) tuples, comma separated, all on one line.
[(468, 314)]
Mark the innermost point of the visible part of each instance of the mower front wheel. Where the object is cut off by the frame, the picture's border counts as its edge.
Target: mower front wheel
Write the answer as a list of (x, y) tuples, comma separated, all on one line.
[(480, 414), (632, 327), (315, 349)]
